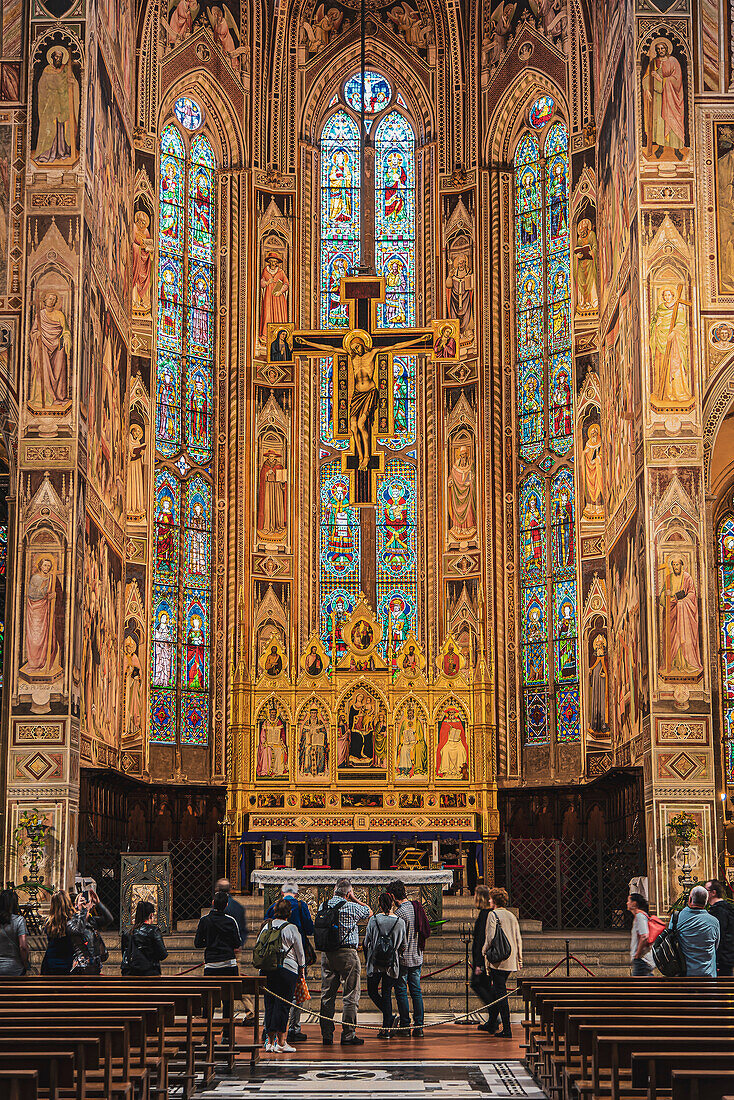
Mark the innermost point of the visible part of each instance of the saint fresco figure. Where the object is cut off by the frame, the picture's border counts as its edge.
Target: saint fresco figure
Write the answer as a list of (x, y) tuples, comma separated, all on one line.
[(460, 293), (42, 624), (563, 519), (143, 249), (445, 345), (663, 92), (681, 656), (462, 497), (591, 475), (451, 661), (273, 664), (49, 348), (165, 547), (312, 745), (407, 738), (197, 540), (598, 687), (362, 724), (274, 287), (313, 663), (272, 498), (280, 347), (57, 103), (452, 758), (725, 208), (132, 687), (272, 750), (533, 534), (670, 353), (136, 493), (181, 21), (586, 267), (198, 421)]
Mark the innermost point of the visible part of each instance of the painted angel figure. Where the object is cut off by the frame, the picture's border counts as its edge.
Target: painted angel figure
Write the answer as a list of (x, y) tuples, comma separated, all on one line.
[(324, 25), (180, 22), (409, 23), (226, 32)]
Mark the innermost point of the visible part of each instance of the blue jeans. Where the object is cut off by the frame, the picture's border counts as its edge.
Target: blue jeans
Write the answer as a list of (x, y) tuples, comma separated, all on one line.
[(409, 979), (641, 969)]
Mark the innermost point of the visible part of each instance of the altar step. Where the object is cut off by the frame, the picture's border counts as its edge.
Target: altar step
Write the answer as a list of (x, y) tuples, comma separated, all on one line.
[(605, 953)]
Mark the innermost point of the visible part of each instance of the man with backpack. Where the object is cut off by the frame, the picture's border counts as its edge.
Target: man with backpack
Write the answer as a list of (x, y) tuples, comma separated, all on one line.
[(336, 935), (698, 935), (417, 931), (384, 941)]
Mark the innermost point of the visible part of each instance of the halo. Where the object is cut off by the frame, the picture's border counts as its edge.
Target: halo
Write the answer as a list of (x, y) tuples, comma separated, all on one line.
[(357, 333), (655, 42), (54, 49)]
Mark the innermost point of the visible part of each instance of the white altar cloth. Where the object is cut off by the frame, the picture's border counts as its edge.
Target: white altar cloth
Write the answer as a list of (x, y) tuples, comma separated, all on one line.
[(327, 876)]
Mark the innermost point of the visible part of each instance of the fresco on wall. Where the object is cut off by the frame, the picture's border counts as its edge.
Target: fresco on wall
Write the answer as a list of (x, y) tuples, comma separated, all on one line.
[(272, 742), (614, 153), (411, 742), (313, 742), (113, 185), (55, 85), (101, 629), (724, 153), (362, 733), (664, 88), (618, 357), (628, 626), (106, 413)]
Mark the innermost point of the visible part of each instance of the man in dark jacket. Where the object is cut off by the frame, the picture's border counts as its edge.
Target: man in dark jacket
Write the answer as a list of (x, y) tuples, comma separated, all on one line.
[(234, 909), (720, 908), (220, 937), (480, 982), (301, 917)]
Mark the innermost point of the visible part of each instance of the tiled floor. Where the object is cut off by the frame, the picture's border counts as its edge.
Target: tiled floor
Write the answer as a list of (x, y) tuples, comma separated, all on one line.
[(363, 1080)]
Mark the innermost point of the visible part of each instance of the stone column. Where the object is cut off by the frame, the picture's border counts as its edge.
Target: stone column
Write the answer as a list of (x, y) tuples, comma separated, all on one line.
[(346, 851), (375, 854)]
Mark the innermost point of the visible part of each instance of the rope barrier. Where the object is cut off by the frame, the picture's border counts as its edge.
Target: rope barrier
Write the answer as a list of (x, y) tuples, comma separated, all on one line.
[(451, 1017)]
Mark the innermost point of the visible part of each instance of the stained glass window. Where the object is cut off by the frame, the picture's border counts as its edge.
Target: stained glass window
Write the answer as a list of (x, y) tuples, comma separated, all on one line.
[(340, 213), (182, 527), (394, 205), (546, 491), (725, 555)]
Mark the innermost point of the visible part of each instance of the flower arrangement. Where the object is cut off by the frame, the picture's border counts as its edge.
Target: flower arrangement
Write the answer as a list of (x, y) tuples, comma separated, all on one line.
[(683, 827)]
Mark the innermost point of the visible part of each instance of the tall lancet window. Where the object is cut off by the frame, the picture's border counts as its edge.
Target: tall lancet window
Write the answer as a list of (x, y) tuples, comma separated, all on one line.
[(182, 531), (546, 491), (725, 555), (393, 203)]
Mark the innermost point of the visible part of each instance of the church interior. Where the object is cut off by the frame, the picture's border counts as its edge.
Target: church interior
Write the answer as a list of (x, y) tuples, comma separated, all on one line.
[(367, 458)]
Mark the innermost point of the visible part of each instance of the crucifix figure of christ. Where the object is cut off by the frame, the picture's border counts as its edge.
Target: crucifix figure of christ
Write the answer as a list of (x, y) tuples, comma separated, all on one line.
[(363, 379)]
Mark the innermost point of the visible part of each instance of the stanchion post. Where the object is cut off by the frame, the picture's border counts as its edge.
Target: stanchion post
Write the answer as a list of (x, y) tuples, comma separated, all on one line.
[(467, 935), (568, 960)]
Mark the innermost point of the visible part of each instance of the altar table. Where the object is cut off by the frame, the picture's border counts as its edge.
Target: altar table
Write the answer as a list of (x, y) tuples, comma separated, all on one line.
[(316, 885)]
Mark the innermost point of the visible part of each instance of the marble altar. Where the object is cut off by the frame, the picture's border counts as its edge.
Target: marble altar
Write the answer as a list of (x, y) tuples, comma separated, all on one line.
[(315, 884)]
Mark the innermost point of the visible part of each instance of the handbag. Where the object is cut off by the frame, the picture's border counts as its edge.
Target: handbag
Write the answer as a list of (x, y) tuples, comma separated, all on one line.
[(301, 994), (308, 951), (500, 947), (666, 952)]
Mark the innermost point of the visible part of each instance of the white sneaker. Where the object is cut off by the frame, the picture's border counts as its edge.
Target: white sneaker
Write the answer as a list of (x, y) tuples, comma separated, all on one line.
[(270, 1047), (286, 1048)]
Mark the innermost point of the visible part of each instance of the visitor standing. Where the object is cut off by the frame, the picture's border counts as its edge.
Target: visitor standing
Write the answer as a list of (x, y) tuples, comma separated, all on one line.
[(641, 959), (480, 982), (58, 957), (720, 908), (219, 935), (237, 910), (337, 936), (301, 917), (85, 928), (698, 935), (409, 980), (499, 916), (143, 949), (286, 948), (14, 951), (384, 941)]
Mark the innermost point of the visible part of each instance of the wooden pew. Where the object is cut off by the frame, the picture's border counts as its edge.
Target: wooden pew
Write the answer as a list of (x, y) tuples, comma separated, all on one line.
[(19, 1084), (701, 1084), (653, 1069), (54, 1069)]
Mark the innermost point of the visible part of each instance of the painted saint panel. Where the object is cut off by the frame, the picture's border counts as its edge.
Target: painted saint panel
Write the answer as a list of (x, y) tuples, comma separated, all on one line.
[(272, 743), (411, 742), (452, 752), (362, 733), (313, 743)]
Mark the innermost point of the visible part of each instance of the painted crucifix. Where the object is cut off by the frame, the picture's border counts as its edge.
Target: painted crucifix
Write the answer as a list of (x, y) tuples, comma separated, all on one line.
[(363, 378)]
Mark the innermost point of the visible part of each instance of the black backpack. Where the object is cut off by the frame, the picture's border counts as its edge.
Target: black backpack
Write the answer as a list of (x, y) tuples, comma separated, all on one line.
[(326, 935), (383, 953), (133, 959), (666, 951), (500, 947)]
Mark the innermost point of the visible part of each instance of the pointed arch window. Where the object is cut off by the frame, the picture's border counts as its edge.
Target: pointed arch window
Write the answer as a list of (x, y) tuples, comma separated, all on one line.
[(182, 531), (393, 203), (546, 488), (725, 570)]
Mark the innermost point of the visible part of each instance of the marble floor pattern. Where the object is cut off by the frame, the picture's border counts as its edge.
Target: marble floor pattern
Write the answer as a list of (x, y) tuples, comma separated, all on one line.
[(498, 1080)]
